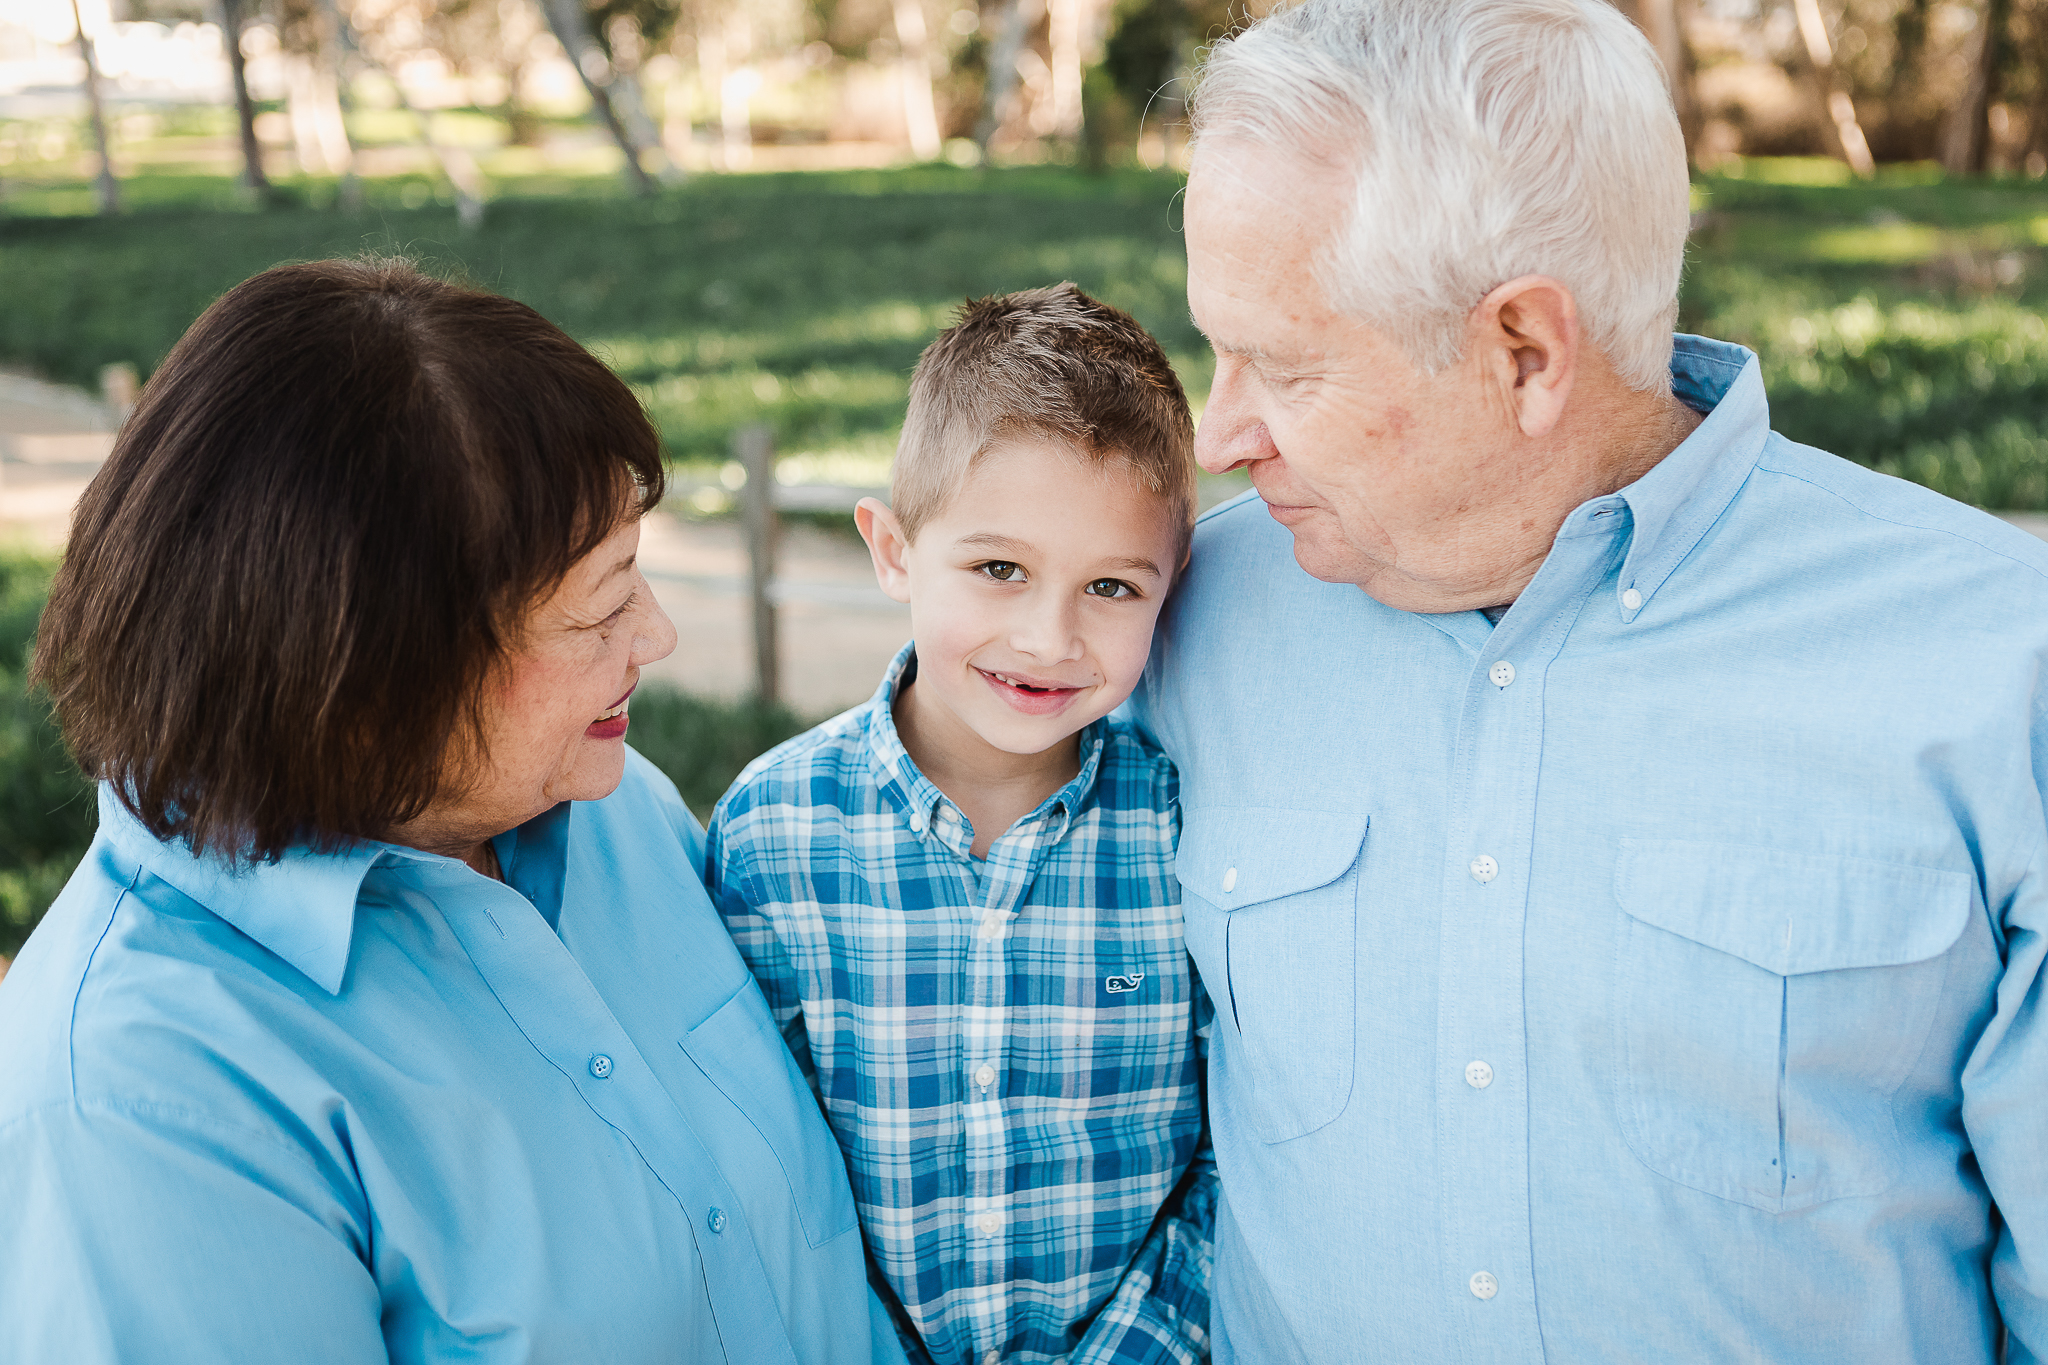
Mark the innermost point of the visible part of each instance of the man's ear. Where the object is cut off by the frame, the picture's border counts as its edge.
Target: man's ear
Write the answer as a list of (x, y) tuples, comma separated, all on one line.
[(886, 544), (1527, 335)]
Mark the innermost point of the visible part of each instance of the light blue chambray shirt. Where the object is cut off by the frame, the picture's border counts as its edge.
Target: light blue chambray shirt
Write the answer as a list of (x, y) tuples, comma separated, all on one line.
[(1654, 976), (351, 1107)]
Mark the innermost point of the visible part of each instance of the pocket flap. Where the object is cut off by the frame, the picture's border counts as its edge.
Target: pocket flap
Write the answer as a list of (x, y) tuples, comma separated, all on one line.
[(1234, 856), (1793, 913)]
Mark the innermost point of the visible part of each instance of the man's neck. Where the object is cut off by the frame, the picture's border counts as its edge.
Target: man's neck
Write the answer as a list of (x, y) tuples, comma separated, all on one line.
[(993, 787), (1606, 446)]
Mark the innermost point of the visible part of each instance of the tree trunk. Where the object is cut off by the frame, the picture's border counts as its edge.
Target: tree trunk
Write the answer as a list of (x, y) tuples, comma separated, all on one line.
[(1019, 18), (1660, 20), (1966, 138), (571, 25), (107, 189), (1836, 106), (920, 111), (245, 109), (1064, 34)]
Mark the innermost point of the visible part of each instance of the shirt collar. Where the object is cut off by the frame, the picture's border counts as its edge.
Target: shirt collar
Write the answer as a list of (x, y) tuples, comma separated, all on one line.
[(302, 906), (1672, 506), (918, 797)]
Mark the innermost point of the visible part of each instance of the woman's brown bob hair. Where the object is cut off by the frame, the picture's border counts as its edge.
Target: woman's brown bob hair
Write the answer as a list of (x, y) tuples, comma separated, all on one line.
[(316, 537)]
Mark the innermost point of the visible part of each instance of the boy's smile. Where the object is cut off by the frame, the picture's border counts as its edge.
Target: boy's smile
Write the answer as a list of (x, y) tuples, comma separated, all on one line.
[(1032, 598)]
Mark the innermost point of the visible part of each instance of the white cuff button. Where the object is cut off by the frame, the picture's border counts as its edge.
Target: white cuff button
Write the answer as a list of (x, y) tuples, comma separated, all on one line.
[(1229, 880)]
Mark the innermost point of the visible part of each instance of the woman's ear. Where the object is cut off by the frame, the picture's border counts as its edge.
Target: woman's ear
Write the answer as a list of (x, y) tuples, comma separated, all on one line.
[(886, 546)]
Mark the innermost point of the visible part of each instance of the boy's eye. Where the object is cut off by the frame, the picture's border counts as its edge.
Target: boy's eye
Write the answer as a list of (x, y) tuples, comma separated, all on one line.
[(1002, 571), (1111, 587)]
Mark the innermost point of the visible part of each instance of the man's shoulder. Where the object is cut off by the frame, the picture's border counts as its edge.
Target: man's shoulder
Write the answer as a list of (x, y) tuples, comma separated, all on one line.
[(1910, 520)]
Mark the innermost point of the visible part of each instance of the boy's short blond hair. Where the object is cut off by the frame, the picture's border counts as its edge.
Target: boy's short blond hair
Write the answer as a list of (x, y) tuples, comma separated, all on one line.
[(1044, 362)]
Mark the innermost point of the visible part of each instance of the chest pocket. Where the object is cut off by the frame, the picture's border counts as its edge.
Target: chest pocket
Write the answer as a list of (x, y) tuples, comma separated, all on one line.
[(1768, 1005), (1272, 895), (739, 1050)]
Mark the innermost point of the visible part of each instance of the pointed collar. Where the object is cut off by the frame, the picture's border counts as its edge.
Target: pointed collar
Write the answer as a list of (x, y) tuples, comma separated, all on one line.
[(302, 906)]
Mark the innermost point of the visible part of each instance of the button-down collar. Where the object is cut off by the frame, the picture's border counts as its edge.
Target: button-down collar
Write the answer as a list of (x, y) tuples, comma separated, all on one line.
[(925, 807), (1672, 506)]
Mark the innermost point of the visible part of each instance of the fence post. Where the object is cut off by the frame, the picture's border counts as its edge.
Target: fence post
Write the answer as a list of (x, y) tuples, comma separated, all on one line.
[(754, 447)]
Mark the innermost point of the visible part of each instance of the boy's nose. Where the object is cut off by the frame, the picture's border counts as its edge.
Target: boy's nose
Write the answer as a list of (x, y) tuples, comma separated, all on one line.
[(1048, 631)]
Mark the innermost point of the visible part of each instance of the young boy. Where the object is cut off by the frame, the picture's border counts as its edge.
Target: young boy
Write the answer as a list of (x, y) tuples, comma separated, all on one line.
[(959, 897)]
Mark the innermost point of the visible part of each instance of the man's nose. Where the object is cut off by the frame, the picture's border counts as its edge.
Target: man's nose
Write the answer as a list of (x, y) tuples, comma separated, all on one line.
[(1231, 435)]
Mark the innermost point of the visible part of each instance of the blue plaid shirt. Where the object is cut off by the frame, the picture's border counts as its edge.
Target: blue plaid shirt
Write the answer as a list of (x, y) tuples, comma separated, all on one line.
[(1006, 1048)]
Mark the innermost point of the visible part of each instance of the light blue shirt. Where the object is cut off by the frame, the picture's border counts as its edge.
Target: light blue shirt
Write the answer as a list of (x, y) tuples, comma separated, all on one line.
[(371, 1105), (1655, 976)]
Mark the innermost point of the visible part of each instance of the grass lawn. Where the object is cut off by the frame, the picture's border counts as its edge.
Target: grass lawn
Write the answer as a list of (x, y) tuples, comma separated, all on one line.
[(1900, 321)]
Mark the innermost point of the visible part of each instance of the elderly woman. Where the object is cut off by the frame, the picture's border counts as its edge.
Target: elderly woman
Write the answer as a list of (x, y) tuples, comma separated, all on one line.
[(387, 1017)]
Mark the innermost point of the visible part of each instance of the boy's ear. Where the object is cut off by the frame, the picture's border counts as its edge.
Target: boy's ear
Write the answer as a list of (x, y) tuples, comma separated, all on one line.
[(886, 544)]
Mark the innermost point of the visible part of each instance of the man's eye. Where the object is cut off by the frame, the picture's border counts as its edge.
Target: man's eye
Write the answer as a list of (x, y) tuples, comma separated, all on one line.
[(1111, 587), (1002, 571)]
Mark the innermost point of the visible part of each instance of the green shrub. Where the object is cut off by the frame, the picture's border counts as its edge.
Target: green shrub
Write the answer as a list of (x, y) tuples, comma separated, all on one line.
[(47, 809), (702, 743)]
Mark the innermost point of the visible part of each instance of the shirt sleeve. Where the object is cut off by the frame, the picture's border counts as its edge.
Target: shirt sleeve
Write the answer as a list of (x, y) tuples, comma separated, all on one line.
[(138, 1233), (733, 891), (2005, 1110), (1160, 1311)]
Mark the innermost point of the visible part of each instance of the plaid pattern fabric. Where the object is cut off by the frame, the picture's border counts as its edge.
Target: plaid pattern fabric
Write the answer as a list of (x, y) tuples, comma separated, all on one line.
[(1007, 1048)]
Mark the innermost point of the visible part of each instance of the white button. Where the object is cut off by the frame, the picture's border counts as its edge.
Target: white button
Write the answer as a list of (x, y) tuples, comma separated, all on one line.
[(991, 926), (991, 1357), (1484, 1286), (1484, 869), (917, 822), (1631, 599), (1478, 1075), (1229, 880), (989, 1224), (984, 1076), (1502, 673)]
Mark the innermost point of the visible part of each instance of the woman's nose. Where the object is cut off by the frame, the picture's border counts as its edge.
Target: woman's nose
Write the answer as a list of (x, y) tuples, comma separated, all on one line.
[(654, 636)]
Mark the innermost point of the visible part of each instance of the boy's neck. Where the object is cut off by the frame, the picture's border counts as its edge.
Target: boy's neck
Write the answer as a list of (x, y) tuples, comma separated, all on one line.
[(993, 787)]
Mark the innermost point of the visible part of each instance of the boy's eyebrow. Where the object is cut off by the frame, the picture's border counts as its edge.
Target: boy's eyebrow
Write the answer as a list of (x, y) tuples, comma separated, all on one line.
[(989, 540), (1137, 565)]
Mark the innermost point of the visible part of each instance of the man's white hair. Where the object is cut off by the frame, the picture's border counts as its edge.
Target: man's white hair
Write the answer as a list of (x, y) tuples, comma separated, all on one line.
[(1490, 139)]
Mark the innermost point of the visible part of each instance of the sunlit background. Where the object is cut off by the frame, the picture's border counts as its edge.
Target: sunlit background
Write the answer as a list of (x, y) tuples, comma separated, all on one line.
[(758, 211)]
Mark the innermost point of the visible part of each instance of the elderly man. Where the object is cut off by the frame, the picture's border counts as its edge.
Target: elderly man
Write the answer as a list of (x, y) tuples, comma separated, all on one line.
[(1625, 915)]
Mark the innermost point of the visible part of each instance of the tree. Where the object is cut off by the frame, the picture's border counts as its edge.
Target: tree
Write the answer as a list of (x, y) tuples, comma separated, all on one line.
[(107, 189), (231, 21), (1838, 108)]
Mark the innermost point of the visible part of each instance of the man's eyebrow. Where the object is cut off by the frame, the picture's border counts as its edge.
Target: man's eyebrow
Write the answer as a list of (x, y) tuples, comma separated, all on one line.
[(989, 540)]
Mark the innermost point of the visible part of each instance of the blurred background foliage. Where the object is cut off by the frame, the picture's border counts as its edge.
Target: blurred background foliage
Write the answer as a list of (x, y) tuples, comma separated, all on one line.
[(760, 210)]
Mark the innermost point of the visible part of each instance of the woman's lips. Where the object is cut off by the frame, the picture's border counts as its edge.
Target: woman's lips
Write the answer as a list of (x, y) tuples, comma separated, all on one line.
[(612, 724), (1030, 696)]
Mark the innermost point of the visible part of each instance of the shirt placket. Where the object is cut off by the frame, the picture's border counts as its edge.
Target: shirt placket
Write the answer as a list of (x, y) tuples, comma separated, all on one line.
[(1000, 884), (1482, 1081)]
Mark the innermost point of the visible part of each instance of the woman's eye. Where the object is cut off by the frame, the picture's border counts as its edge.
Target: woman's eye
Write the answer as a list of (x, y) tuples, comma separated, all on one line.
[(1111, 587), (1002, 572), (624, 607)]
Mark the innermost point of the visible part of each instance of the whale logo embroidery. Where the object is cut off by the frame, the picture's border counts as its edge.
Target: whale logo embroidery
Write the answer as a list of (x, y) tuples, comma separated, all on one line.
[(1117, 985)]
